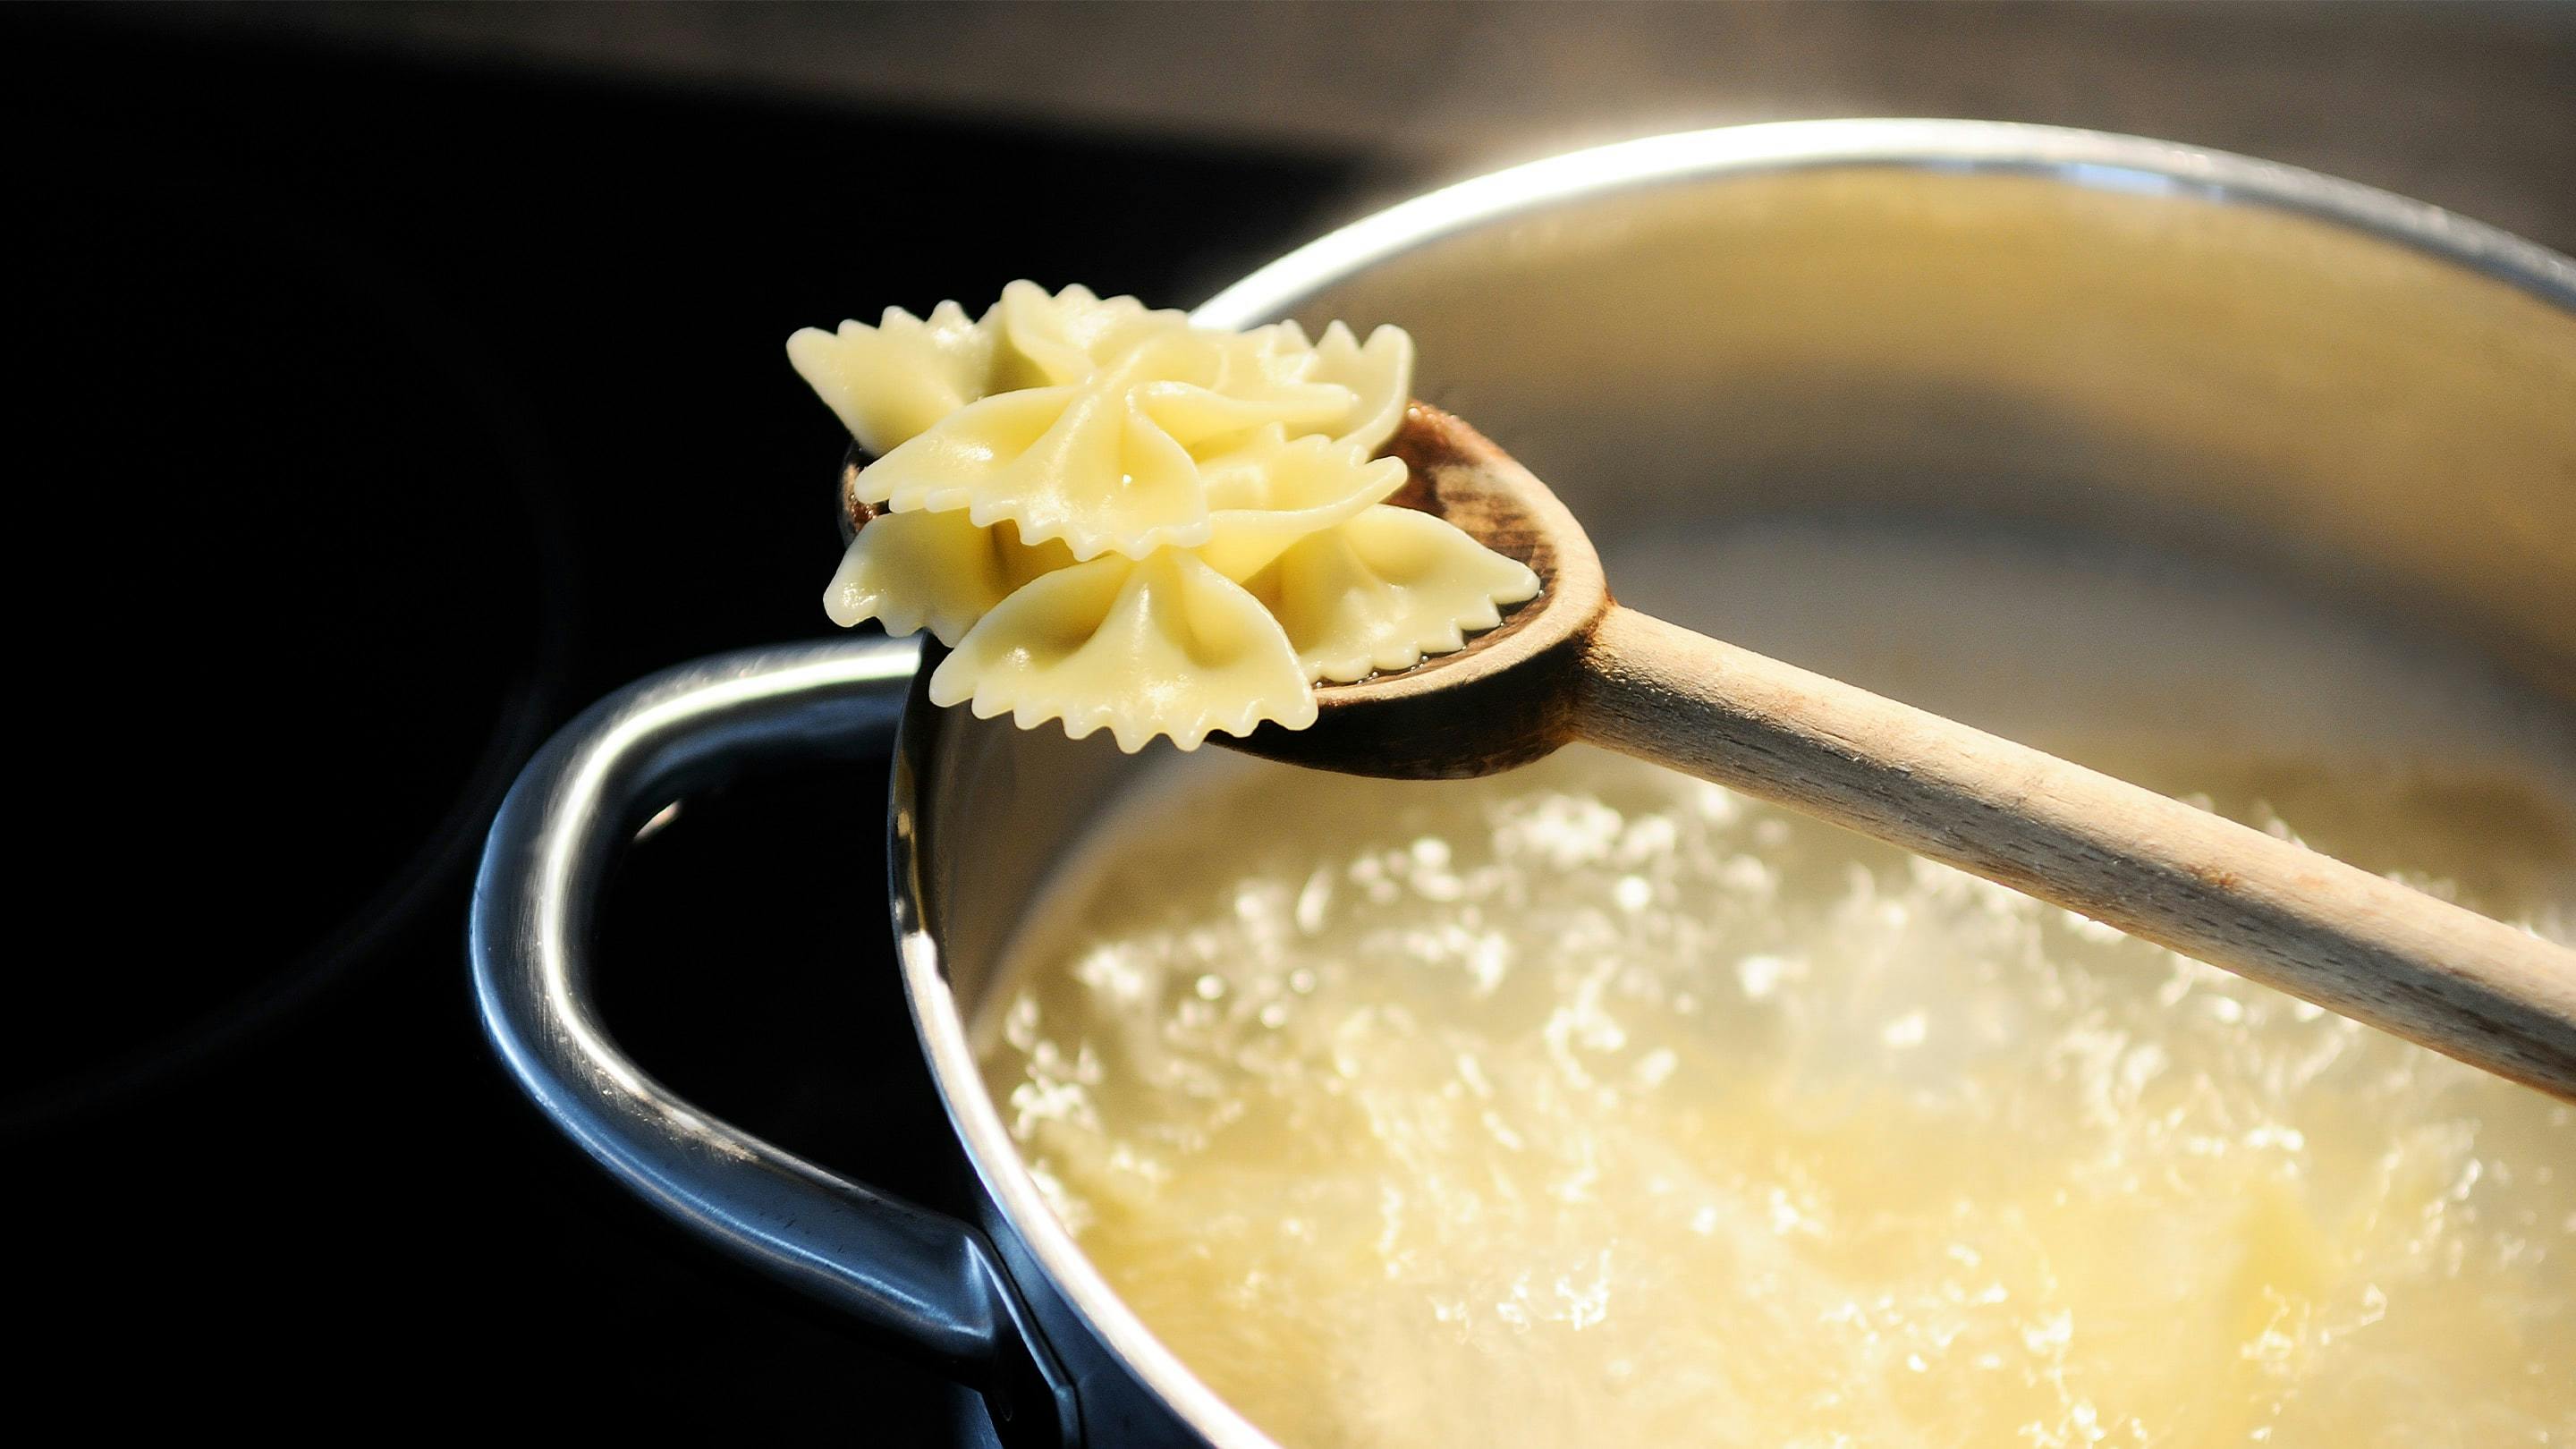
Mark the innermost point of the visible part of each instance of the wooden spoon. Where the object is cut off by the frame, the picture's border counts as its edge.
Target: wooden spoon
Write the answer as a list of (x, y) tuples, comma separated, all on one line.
[(1573, 664)]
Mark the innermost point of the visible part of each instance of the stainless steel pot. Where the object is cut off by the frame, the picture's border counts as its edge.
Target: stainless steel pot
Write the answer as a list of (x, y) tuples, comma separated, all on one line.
[(2006, 326)]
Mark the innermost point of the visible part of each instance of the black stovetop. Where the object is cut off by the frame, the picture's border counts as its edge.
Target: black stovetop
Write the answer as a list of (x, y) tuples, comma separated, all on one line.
[(403, 411)]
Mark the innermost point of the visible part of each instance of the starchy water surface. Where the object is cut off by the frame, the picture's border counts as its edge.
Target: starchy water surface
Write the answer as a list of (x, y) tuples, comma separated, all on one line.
[(1592, 1105)]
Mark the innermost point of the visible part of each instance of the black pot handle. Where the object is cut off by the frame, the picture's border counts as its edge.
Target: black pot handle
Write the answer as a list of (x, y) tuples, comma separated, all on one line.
[(927, 1283)]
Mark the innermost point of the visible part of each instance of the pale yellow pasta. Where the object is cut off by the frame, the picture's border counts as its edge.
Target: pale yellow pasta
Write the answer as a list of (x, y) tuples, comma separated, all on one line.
[(1111, 462), (1164, 645), (1064, 338), (1384, 588), (1297, 490), (890, 381), (1379, 374), (934, 571), (1188, 484)]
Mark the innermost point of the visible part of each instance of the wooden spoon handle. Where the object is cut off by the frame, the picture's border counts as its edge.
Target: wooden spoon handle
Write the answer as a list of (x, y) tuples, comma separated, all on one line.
[(2451, 979)]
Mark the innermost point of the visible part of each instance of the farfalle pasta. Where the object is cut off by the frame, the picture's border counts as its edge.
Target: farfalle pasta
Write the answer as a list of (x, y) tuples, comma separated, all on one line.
[(1121, 521)]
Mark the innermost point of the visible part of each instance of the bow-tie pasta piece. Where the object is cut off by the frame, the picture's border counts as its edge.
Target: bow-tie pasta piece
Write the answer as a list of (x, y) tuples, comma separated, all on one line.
[(1340, 391), (1378, 374), (1350, 393), (1383, 590), (1277, 493), (1046, 341), (1164, 645), (1091, 466), (936, 571), (889, 382)]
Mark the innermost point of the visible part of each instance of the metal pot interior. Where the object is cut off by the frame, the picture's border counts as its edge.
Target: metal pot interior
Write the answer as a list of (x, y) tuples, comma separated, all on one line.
[(2001, 330)]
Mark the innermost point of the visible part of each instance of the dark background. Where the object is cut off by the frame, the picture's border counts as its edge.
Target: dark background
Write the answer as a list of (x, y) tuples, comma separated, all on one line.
[(407, 376)]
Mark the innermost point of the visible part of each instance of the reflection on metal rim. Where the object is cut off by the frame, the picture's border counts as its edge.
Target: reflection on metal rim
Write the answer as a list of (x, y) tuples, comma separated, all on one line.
[(2096, 159)]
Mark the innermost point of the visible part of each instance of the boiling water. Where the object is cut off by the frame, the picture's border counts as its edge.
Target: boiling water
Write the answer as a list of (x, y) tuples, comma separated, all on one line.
[(1593, 1105)]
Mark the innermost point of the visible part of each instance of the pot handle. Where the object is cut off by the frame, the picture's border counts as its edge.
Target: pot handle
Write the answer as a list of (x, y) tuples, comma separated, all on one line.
[(927, 1283)]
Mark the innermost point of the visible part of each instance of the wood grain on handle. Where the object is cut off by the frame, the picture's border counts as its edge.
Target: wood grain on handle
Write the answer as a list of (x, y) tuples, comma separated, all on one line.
[(2451, 979)]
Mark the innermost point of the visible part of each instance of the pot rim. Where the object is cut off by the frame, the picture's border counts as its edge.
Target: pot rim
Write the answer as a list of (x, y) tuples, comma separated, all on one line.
[(2095, 160)]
